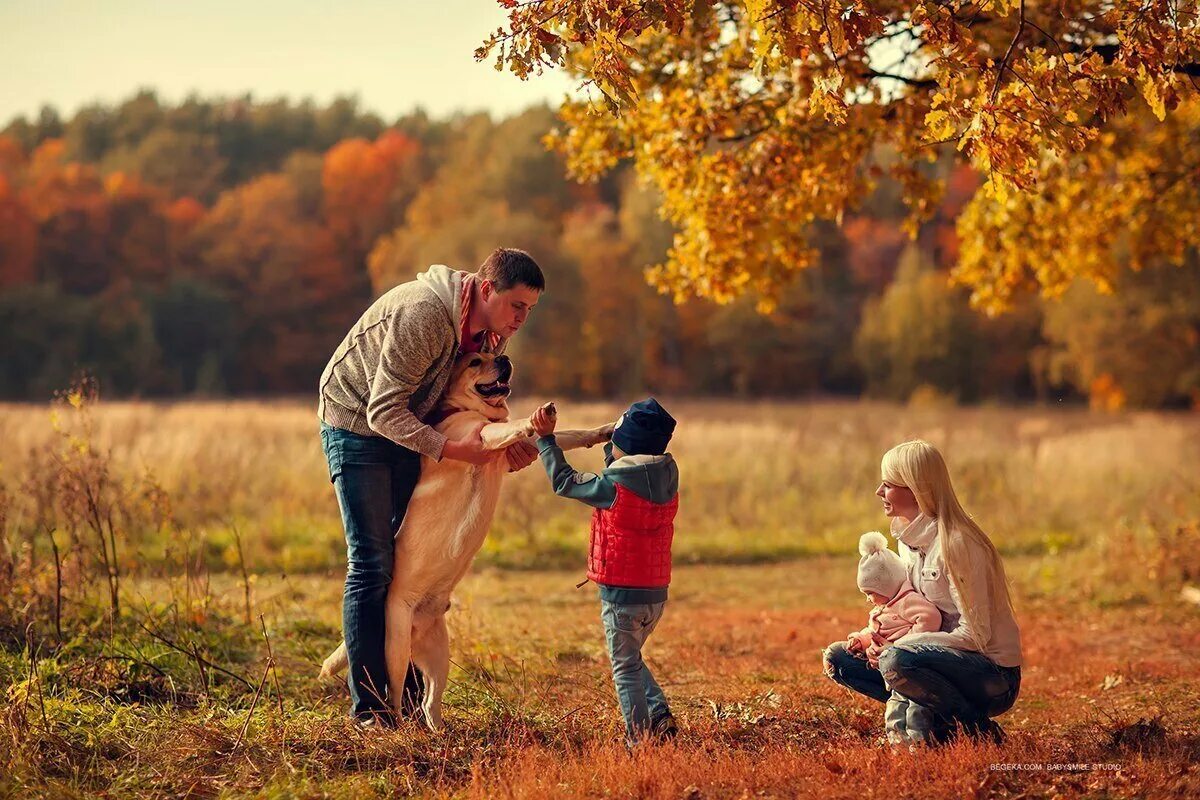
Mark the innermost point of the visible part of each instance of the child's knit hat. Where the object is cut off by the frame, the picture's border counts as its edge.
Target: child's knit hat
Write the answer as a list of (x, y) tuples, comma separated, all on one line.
[(644, 429), (879, 570)]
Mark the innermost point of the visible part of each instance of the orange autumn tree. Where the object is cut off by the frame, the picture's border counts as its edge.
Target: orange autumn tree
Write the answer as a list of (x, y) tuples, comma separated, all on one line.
[(366, 186), (291, 292), (18, 231), (754, 119), (73, 213)]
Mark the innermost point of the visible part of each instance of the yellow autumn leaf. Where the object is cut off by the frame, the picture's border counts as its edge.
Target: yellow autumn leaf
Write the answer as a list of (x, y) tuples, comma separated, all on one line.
[(1151, 93), (940, 125)]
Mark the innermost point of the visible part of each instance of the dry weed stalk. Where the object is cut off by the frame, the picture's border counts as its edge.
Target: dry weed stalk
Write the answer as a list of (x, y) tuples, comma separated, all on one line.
[(89, 495), (237, 538)]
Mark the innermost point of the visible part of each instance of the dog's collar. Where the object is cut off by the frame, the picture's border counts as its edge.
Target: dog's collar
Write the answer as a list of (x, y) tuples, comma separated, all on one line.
[(439, 415)]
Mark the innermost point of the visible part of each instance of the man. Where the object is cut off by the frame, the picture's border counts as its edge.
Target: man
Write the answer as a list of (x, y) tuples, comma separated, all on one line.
[(385, 377)]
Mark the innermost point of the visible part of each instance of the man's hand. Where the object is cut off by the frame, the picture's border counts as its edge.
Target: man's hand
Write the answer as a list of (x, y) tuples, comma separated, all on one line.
[(520, 456), (544, 420), (854, 644), (469, 449)]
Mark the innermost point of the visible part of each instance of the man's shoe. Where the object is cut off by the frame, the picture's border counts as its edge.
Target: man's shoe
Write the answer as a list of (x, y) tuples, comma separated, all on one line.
[(412, 696), (370, 723), (410, 707), (664, 728)]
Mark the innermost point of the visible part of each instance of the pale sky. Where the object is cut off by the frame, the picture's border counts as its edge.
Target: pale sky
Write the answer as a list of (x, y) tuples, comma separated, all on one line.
[(394, 55)]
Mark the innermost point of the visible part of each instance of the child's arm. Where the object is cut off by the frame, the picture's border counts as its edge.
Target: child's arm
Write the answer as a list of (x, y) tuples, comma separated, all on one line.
[(588, 487), (595, 490), (859, 641), (925, 617)]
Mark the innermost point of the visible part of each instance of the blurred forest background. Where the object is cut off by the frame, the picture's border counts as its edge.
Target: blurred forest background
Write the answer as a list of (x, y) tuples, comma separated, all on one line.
[(222, 248)]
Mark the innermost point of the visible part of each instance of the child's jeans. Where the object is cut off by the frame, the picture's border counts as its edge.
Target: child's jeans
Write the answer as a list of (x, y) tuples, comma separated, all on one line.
[(895, 718), (626, 628), (896, 710)]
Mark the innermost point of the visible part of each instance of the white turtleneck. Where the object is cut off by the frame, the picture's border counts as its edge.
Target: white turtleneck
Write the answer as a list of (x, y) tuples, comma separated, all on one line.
[(922, 553)]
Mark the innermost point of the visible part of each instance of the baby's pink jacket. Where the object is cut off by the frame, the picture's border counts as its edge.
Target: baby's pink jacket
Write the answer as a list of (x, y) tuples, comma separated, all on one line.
[(907, 612)]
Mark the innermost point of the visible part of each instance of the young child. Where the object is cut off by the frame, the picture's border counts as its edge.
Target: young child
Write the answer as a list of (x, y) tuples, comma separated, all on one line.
[(634, 501), (898, 611)]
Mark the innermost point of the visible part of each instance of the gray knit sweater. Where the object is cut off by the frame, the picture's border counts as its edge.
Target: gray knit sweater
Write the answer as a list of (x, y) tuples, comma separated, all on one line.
[(389, 373)]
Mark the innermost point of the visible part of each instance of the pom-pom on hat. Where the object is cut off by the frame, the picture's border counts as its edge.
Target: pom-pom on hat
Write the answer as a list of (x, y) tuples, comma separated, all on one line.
[(880, 570), (644, 429)]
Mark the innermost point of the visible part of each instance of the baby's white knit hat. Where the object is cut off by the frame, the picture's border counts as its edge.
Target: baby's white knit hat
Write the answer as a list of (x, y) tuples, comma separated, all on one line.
[(879, 570)]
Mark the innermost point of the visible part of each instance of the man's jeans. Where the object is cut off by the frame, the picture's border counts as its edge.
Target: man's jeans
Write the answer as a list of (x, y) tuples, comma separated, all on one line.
[(374, 479), (928, 689), (626, 628)]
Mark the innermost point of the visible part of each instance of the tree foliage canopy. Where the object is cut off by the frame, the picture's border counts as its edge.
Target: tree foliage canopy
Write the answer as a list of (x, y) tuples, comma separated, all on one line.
[(754, 119), (301, 214)]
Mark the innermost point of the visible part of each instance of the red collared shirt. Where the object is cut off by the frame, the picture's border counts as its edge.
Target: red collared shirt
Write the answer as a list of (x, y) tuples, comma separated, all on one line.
[(466, 342)]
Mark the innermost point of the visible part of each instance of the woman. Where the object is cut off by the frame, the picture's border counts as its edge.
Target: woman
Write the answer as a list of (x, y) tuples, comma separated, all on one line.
[(970, 670)]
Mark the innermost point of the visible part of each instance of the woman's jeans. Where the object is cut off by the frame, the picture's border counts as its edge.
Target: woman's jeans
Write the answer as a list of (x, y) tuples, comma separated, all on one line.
[(928, 689), (626, 628), (374, 479)]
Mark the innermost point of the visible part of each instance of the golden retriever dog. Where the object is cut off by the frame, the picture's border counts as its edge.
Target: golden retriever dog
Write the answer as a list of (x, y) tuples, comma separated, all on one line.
[(447, 520)]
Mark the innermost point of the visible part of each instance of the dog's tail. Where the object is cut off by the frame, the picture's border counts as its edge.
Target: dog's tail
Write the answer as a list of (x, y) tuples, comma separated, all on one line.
[(334, 665)]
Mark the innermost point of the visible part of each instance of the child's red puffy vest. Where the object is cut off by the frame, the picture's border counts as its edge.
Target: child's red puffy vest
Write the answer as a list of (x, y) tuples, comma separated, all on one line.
[(631, 542)]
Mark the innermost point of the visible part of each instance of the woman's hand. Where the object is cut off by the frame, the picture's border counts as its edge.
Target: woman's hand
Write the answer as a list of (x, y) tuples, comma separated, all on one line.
[(854, 644)]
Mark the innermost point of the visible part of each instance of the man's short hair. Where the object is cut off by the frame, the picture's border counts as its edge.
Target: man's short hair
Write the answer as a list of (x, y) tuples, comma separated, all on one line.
[(507, 267)]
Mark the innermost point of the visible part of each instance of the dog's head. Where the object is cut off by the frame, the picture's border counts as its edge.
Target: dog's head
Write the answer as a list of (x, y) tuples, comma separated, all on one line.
[(479, 383)]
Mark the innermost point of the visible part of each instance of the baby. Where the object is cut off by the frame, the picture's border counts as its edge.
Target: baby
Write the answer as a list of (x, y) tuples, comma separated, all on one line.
[(899, 609)]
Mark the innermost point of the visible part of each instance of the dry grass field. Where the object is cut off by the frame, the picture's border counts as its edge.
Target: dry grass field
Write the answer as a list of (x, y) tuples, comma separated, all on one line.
[(215, 529)]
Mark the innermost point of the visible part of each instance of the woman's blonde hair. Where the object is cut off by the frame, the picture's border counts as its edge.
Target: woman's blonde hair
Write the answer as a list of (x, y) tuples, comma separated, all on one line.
[(919, 466)]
